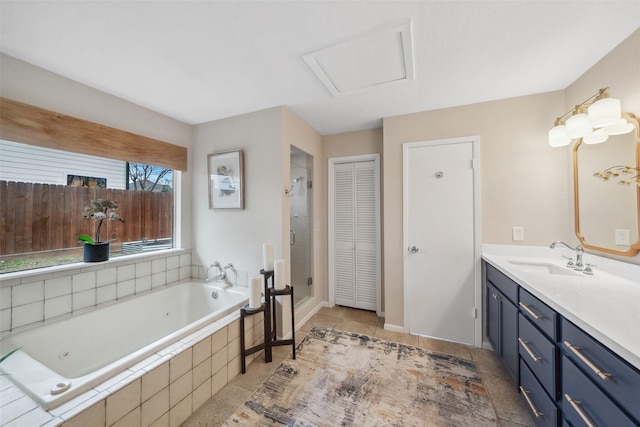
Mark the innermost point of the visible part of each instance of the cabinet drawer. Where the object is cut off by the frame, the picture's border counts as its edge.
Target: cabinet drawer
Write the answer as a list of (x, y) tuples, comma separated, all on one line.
[(585, 404), (539, 313), (540, 354), (622, 381), (505, 285), (541, 407)]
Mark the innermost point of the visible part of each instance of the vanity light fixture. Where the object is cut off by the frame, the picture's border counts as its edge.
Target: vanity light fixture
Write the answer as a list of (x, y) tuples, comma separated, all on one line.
[(601, 119)]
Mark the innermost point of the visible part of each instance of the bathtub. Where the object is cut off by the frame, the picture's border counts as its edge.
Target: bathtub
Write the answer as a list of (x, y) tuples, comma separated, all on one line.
[(62, 359)]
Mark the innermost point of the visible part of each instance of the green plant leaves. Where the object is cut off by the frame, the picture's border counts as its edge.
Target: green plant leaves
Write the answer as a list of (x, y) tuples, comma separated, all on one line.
[(85, 239)]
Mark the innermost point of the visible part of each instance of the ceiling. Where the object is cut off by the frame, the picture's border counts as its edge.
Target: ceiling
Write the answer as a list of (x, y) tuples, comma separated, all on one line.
[(198, 61)]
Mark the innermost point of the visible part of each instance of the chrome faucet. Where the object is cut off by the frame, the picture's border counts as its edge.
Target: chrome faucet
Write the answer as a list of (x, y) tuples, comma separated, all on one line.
[(222, 275), (579, 252), (230, 266)]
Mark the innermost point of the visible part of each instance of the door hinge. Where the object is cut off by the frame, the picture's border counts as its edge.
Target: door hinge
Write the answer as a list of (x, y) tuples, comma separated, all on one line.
[(474, 163), (475, 313), (309, 185), (309, 281)]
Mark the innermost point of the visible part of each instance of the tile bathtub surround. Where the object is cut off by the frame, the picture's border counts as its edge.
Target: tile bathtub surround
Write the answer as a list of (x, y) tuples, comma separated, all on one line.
[(38, 296), (163, 390)]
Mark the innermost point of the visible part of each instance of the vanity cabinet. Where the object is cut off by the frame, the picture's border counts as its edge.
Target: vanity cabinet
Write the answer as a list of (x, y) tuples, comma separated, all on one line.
[(601, 367), (565, 376), (502, 318), (540, 354), (584, 404), (542, 407)]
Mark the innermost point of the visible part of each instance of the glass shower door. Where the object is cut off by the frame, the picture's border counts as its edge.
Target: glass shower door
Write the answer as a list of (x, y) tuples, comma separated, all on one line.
[(301, 232)]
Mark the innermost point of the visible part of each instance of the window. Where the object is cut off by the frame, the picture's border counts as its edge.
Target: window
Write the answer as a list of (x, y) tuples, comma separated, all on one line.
[(43, 193)]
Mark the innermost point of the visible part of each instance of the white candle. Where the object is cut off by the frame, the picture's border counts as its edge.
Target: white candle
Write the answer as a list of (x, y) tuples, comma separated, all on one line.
[(267, 256), (280, 274), (255, 297)]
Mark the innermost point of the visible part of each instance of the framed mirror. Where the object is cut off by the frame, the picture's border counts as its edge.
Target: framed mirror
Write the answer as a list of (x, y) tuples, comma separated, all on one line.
[(607, 194)]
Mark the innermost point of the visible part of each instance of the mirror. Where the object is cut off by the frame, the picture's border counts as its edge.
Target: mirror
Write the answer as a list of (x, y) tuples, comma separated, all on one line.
[(606, 210)]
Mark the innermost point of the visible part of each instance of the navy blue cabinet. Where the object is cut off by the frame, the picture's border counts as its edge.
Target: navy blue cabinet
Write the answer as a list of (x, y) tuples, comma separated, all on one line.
[(542, 407), (541, 354), (566, 377), (584, 404), (502, 325)]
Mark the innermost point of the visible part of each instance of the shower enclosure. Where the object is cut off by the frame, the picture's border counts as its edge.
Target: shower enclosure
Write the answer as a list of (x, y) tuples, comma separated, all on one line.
[(301, 232)]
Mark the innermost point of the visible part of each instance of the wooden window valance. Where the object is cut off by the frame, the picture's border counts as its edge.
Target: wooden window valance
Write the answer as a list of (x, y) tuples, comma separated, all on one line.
[(36, 126)]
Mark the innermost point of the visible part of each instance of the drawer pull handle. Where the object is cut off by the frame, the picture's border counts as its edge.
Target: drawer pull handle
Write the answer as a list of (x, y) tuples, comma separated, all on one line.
[(531, 312), (535, 410), (576, 405), (576, 350), (523, 343)]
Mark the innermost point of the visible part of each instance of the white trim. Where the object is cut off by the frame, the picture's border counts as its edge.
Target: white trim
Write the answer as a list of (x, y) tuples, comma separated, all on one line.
[(332, 162), (477, 225)]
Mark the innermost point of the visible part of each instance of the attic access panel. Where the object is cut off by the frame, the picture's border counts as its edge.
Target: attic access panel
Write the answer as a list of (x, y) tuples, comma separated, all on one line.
[(379, 58)]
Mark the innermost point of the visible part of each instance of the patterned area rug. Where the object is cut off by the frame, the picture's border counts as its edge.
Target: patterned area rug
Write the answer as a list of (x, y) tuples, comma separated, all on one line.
[(348, 379)]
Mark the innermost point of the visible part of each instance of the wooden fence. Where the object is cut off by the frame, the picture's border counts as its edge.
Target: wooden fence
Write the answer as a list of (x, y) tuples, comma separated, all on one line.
[(43, 217)]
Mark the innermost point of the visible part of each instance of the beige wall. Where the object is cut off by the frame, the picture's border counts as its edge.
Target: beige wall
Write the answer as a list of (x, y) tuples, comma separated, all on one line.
[(620, 71), (523, 180), (298, 133), (229, 235)]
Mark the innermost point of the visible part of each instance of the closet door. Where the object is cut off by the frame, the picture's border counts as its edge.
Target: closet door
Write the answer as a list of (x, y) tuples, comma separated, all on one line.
[(355, 258)]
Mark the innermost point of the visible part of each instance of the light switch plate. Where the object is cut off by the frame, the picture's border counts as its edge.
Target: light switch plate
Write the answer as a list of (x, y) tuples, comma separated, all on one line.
[(517, 234)]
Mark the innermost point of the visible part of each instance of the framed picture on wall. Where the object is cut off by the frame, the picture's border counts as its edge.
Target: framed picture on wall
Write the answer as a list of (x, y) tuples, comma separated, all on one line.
[(226, 184)]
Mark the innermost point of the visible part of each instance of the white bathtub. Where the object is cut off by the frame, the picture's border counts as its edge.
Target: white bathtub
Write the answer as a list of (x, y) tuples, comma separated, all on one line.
[(82, 351)]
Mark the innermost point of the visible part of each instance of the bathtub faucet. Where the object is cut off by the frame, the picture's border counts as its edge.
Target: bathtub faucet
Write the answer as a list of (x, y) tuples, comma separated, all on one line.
[(222, 275), (235, 272), (579, 252)]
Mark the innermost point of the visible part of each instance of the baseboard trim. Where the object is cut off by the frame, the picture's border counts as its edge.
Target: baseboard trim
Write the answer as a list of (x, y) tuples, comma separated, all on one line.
[(394, 328)]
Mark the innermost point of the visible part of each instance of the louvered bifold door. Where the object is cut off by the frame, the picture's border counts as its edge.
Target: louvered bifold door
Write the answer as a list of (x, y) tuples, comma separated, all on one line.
[(365, 236), (344, 254), (355, 235)]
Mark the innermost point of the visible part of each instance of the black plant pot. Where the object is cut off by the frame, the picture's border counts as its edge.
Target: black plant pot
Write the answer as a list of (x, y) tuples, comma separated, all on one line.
[(96, 252)]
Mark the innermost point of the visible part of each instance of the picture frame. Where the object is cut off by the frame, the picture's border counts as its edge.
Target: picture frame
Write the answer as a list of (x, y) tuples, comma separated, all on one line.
[(226, 180)]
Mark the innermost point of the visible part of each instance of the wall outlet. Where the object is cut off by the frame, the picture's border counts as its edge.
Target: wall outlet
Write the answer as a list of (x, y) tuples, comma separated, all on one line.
[(622, 237), (517, 234)]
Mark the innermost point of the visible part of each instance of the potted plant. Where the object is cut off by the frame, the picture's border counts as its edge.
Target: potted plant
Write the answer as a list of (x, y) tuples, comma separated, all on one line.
[(99, 211)]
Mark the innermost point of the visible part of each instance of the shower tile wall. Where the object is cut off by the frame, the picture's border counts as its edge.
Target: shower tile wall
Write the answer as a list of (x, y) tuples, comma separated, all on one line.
[(36, 298)]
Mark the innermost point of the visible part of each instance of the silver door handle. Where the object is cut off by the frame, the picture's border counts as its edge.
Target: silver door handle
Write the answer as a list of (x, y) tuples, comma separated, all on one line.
[(413, 249), (292, 237)]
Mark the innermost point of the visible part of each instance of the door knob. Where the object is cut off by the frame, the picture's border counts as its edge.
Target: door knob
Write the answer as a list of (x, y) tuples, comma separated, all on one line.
[(413, 249)]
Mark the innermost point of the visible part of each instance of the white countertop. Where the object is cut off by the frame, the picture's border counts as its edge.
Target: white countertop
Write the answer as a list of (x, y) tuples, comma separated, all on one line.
[(606, 305)]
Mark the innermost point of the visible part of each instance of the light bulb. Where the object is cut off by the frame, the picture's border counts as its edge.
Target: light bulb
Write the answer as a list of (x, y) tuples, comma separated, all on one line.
[(578, 126), (620, 127), (596, 137), (558, 136)]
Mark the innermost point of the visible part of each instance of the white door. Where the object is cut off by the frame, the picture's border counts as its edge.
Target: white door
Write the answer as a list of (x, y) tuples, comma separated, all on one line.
[(441, 277), (354, 233)]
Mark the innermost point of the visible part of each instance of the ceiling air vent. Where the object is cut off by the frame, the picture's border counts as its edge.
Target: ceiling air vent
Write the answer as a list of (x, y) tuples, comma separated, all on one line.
[(379, 58)]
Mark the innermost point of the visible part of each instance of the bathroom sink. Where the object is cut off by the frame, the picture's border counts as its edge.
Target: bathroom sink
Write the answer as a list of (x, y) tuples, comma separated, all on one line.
[(542, 267)]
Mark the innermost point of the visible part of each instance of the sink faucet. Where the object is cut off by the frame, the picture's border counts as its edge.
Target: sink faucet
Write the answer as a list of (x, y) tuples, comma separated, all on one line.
[(222, 275), (579, 251)]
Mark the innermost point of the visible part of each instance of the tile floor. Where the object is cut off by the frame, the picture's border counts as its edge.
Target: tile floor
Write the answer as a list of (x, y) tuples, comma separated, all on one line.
[(509, 407)]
